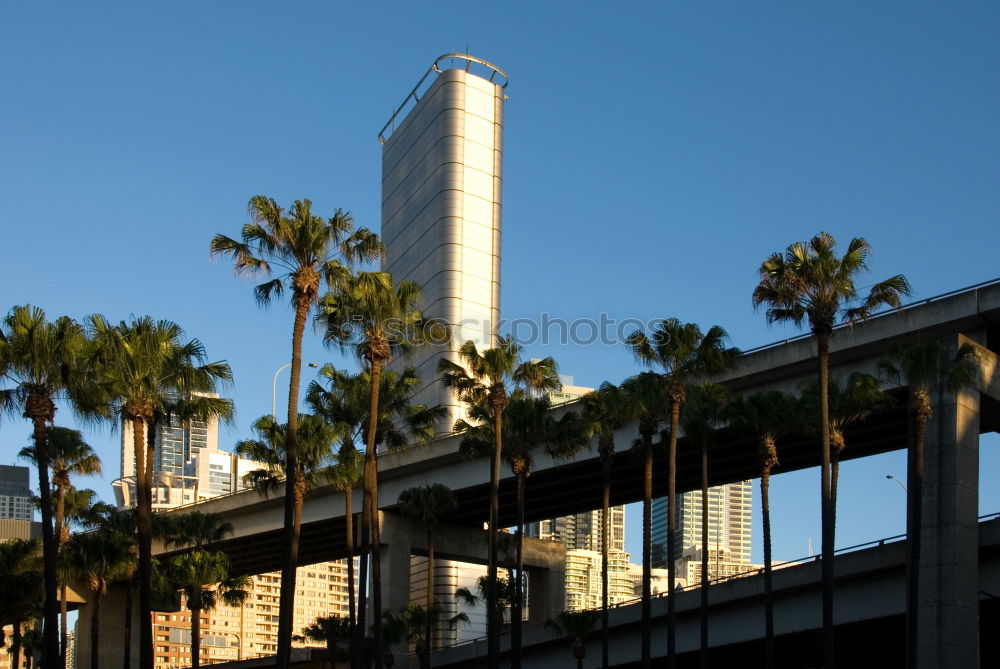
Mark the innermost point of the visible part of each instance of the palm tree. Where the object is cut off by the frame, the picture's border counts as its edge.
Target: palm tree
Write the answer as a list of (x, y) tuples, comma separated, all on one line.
[(98, 558), (429, 503), (345, 401), (198, 529), (505, 593), (123, 524), (31, 641), (923, 367), (148, 377), (21, 589), (332, 630), (646, 395), (766, 416), (809, 282), (314, 439), (344, 476), (485, 380), (377, 320), (415, 621), (68, 454), (530, 426), (308, 250), (192, 573), (604, 413), (851, 400), (705, 405), (684, 355), (42, 361), (575, 625)]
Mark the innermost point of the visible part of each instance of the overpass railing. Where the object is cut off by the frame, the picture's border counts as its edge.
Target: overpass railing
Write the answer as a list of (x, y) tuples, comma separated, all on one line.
[(884, 312), (875, 543)]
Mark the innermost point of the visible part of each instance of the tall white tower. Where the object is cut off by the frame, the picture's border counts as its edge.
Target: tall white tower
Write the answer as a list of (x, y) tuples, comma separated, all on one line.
[(442, 158)]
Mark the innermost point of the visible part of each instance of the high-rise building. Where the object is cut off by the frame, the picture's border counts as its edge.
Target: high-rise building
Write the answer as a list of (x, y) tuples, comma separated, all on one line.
[(582, 530), (71, 650), (442, 166), (177, 444), (189, 467), (583, 578), (729, 523), (15, 495), (442, 157)]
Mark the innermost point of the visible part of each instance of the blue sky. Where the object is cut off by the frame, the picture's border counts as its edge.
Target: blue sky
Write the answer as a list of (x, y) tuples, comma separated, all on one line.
[(655, 153)]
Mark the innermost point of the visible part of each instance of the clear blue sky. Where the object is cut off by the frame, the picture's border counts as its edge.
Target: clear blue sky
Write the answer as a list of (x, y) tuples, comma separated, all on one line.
[(655, 154)]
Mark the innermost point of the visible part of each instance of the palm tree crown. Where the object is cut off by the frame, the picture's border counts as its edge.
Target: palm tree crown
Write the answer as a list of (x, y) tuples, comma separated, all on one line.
[(809, 282), (316, 437), (305, 246)]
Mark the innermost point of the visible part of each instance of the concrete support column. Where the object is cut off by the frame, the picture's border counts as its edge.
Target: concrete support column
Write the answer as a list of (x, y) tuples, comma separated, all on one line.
[(948, 610), (546, 594), (395, 552), (112, 629)]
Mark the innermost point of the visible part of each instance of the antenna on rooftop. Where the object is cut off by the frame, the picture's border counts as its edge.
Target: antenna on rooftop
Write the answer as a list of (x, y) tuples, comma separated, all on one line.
[(809, 546)]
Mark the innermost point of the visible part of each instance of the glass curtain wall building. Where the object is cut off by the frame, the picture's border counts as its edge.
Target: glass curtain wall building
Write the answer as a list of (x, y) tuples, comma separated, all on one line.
[(729, 524)]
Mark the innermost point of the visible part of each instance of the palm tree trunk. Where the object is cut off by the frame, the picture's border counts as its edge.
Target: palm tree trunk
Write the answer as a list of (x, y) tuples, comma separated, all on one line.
[(826, 507), (371, 483), (60, 543), (605, 541), (127, 642), (195, 638), (41, 409), (429, 621), (95, 630), (492, 612), (358, 631), (144, 528), (675, 419), (15, 650), (703, 605), (358, 640), (349, 541), (914, 520), (291, 538), (517, 605), (647, 512), (63, 624), (765, 506)]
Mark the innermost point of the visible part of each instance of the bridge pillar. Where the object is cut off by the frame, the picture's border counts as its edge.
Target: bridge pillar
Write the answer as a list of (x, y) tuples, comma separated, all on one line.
[(948, 606), (395, 551), (112, 629), (546, 594)]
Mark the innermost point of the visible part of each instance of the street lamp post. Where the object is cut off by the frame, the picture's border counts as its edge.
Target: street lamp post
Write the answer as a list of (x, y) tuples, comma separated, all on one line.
[(901, 484), (274, 386)]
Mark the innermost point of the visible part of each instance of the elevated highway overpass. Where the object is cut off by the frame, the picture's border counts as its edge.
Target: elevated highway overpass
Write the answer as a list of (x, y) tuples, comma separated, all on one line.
[(950, 600)]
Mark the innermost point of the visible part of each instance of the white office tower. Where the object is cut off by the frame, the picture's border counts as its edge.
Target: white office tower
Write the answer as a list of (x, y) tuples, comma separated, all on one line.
[(729, 524), (442, 156), (449, 576)]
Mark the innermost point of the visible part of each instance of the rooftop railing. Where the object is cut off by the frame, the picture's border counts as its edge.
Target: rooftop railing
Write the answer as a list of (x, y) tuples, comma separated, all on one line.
[(418, 90)]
